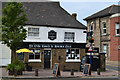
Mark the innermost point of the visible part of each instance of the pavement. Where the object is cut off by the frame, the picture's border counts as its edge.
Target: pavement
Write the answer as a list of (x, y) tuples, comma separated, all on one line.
[(48, 73), (113, 63)]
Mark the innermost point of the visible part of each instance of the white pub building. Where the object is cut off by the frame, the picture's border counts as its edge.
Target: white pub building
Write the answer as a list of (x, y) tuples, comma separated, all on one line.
[(53, 35)]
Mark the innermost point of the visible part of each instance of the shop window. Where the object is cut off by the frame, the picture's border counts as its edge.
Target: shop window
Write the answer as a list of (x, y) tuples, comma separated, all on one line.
[(72, 55), (104, 27), (36, 56), (33, 32), (117, 28), (69, 36)]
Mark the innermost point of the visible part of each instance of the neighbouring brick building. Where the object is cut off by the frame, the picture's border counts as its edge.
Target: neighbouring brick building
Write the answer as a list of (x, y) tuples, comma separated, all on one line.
[(54, 36), (115, 37), (104, 25)]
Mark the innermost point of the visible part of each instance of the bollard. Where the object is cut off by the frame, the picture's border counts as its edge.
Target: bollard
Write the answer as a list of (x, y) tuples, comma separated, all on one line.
[(72, 72), (98, 71), (36, 72)]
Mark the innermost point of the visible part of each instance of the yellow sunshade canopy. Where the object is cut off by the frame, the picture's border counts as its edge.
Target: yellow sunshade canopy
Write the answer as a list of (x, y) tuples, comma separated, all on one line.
[(24, 50)]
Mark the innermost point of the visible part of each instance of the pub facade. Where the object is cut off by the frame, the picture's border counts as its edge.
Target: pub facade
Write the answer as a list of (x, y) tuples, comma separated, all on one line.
[(54, 35), (55, 45)]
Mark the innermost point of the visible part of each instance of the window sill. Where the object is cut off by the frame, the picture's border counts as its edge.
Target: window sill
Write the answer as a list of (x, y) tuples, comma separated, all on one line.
[(73, 60), (33, 37), (104, 34), (34, 60), (117, 35)]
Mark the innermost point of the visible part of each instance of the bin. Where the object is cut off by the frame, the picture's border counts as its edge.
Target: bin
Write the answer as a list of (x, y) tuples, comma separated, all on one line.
[(102, 61)]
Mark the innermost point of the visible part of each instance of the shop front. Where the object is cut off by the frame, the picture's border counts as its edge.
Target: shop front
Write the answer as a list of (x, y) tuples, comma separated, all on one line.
[(46, 54)]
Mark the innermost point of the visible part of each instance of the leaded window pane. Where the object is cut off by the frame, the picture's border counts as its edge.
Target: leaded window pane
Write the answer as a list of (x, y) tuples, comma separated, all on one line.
[(33, 32), (72, 54)]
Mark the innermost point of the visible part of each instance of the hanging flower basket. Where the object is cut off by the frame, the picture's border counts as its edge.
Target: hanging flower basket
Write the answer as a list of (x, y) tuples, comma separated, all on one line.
[(91, 40)]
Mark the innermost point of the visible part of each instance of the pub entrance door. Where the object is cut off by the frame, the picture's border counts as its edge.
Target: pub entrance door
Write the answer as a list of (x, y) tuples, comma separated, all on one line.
[(47, 58)]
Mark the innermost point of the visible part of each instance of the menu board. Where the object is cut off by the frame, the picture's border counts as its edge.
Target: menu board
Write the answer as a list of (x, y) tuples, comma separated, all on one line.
[(56, 69)]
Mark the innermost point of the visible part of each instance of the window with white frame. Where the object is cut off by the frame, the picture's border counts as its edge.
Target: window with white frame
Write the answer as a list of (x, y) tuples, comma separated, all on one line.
[(72, 55), (104, 28), (105, 48), (69, 36), (91, 27), (33, 32), (117, 30), (36, 56)]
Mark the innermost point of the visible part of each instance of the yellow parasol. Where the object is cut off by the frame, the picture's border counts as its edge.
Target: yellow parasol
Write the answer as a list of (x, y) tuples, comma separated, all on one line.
[(24, 50)]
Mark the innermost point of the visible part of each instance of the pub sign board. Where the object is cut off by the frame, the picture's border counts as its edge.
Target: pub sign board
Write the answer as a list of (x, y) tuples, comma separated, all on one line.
[(49, 46), (52, 35), (53, 45)]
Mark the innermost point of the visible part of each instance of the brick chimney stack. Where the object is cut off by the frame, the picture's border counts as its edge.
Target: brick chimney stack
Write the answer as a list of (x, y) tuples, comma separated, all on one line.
[(74, 15)]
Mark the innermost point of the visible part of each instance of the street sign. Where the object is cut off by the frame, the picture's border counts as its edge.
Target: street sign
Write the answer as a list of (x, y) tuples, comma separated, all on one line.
[(90, 49)]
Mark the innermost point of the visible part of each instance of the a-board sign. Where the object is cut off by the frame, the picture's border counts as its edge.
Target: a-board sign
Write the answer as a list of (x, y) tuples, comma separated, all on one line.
[(56, 69), (86, 69)]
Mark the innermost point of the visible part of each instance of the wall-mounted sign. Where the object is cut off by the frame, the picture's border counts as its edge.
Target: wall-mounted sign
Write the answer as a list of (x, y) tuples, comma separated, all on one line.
[(52, 35), (53, 45), (95, 50), (49, 46)]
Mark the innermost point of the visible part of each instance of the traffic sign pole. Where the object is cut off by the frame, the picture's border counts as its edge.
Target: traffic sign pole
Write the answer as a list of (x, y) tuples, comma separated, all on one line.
[(91, 50)]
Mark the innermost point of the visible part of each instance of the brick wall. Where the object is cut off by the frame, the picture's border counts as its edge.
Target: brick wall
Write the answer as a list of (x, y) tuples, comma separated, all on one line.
[(115, 40)]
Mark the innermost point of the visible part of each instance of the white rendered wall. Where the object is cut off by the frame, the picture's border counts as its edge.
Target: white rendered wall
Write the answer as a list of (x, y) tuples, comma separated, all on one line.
[(5, 55), (80, 37)]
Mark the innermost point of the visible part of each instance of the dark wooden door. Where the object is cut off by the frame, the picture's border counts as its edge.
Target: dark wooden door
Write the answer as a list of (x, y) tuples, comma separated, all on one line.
[(47, 57)]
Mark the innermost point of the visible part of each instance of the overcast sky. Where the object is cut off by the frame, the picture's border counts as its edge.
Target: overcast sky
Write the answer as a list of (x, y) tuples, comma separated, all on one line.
[(85, 9)]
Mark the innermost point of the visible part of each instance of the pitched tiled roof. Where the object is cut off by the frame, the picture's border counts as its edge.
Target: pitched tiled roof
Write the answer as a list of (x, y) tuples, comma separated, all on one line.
[(105, 12), (50, 14)]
